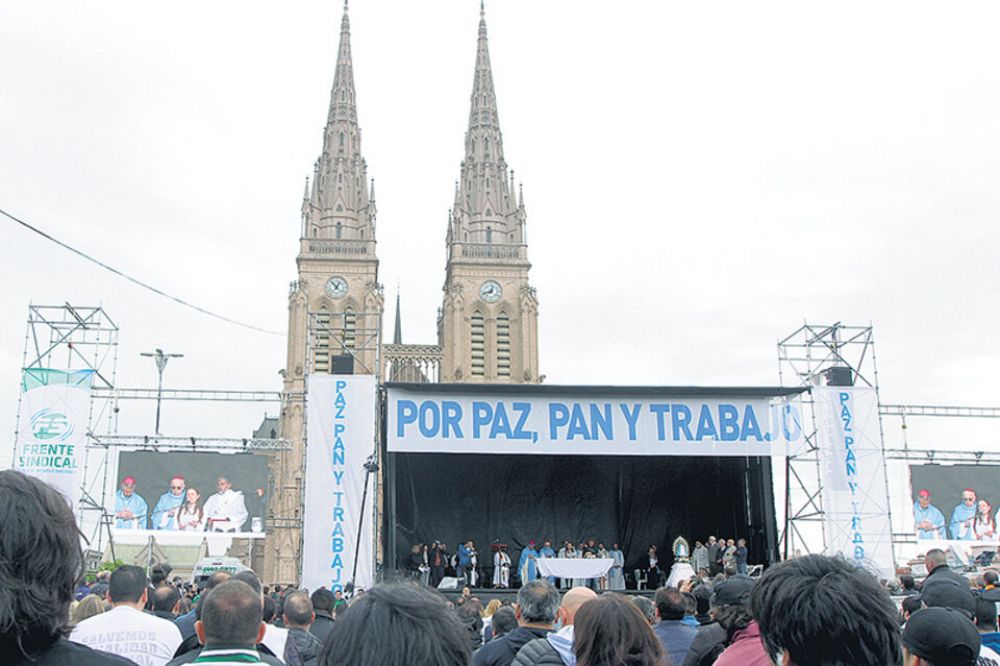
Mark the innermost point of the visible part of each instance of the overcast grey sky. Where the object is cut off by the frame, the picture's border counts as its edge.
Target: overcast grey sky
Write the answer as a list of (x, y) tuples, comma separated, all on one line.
[(699, 179)]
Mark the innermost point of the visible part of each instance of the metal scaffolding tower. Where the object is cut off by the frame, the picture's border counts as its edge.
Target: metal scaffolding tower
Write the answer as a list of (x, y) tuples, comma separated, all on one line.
[(816, 355)]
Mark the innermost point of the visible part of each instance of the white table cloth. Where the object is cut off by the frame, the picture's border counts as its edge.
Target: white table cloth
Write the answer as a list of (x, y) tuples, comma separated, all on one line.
[(583, 567)]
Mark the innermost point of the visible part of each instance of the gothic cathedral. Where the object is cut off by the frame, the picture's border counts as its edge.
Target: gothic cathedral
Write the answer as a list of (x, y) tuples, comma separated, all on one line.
[(487, 325)]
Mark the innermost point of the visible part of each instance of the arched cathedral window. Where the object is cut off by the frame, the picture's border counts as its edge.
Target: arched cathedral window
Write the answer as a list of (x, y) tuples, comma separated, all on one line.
[(478, 344), (503, 345), (321, 338)]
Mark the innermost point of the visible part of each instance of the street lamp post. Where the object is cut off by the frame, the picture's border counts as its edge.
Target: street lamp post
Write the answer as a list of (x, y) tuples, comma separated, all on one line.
[(161, 364)]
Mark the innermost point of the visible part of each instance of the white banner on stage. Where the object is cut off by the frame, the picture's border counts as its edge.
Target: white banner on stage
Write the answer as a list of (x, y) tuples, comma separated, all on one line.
[(618, 423), (340, 413), (852, 470), (52, 428)]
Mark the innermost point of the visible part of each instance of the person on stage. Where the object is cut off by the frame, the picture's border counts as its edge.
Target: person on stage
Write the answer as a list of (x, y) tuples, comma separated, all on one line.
[(927, 518), (439, 561), (652, 568), (413, 562), (616, 575), (741, 556), (964, 516), (501, 567), (714, 560), (546, 551), (425, 565), (985, 527), (527, 568), (130, 509), (225, 511), (602, 553), (465, 569), (164, 515), (699, 557), (568, 551), (191, 515)]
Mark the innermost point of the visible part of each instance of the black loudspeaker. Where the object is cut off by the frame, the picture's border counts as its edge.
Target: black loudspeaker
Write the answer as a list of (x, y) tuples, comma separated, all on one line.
[(343, 364), (839, 376)]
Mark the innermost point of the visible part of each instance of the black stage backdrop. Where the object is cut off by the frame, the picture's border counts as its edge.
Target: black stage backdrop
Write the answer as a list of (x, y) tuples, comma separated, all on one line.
[(633, 500)]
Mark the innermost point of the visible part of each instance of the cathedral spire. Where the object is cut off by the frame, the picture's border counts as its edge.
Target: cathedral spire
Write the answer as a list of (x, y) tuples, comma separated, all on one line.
[(341, 206), (485, 208), (397, 335)]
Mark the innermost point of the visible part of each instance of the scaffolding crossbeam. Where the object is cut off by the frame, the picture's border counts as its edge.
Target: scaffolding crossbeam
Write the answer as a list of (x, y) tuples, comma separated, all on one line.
[(161, 443)]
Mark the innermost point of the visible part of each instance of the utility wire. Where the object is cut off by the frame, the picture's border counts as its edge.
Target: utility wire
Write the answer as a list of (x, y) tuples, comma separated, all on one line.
[(134, 280)]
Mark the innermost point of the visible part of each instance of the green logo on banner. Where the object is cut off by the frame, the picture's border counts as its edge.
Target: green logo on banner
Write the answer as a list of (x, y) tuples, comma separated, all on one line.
[(47, 425)]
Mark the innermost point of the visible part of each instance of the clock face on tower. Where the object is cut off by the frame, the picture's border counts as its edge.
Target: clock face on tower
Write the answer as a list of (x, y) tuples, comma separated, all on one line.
[(490, 291), (336, 287)]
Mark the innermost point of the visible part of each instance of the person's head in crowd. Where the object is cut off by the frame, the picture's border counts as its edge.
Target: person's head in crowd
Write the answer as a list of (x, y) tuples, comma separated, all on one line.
[(159, 573), (270, 610), (940, 637), (183, 606), (231, 616), (741, 543), (985, 509), (730, 570), (165, 599), (251, 579), (986, 615), (731, 543), (730, 603), (128, 587), (468, 616), (841, 614), (703, 600), (41, 564), (991, 578), (907, 583), (968, 497), (610, 631), (298, 611), (909, 606), (670, 604), (89, 606), (492, 607), (935, 558), (537, 604), (466, 592), (924, 498), (213, 581), (323, 600), (948, 594), (690, 604), (223, 484), (572, 601), (397, 625), (646, 607), (504, 621)]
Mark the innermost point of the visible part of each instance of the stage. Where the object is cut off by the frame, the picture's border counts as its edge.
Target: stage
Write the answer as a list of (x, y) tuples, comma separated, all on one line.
[(441, 494)]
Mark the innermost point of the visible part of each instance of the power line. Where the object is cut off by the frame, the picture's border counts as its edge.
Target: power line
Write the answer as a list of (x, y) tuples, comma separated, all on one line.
[(136, 281)]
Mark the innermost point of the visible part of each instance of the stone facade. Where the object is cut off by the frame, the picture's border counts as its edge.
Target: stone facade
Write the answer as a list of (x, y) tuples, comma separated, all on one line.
[(487, 326)]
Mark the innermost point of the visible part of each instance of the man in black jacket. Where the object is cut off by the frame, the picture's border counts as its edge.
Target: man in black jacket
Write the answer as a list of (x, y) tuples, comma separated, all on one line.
[(322, 601), (299, 616), (537, 606), (938, 570), (714, 556)]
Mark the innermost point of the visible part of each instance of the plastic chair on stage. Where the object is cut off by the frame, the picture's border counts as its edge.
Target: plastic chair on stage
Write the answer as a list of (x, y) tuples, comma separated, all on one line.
[(640, 579)]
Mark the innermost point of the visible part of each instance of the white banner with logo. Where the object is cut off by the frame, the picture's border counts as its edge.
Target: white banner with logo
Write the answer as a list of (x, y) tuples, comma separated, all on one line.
[(852, 470), (52, 428), (614, 422), (340, 427)]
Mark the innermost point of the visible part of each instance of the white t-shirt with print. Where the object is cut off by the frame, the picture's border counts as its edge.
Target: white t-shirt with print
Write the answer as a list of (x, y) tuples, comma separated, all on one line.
[(145, 639)]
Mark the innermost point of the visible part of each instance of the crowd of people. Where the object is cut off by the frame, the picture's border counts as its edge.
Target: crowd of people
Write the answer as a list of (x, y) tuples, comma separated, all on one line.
[(807, 611)]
